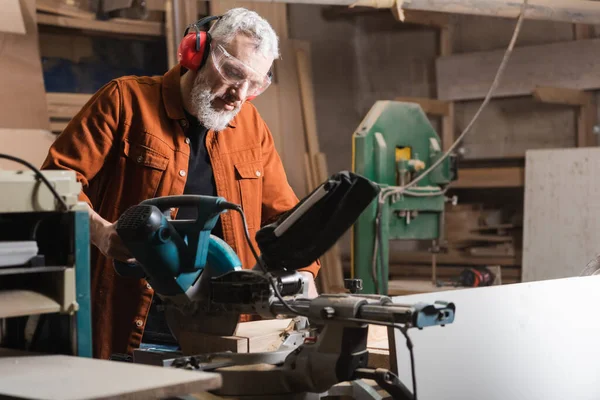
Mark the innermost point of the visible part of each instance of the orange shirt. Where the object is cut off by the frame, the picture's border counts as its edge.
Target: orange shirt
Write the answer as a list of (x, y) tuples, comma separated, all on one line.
[(127, 144)]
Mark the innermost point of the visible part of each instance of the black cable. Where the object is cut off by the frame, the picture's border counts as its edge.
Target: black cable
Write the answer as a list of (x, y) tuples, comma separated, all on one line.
[(262, 266), (39, 175), (409, 343)]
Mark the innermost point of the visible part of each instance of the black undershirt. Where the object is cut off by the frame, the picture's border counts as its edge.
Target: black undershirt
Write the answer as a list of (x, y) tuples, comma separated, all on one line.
[(200, 181)]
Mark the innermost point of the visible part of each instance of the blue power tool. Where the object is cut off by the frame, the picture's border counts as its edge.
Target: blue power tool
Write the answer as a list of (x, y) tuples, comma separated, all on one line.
[(171, 255)]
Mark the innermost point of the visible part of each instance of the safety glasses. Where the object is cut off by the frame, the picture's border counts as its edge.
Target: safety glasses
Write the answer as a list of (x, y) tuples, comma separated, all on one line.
[(235, 72)]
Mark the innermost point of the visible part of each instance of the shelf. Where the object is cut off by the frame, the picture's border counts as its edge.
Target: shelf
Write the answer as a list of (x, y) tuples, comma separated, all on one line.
[(18, 303), (115, 25), (508, 177), (65, 105)]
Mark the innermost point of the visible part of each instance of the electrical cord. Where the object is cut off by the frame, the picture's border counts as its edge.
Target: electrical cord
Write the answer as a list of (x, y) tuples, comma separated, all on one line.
[(40, 176), (399, 190), (263, 267), (409, 344)]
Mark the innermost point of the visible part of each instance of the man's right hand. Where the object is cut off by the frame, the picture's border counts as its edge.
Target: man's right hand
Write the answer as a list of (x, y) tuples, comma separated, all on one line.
[(104, 236)]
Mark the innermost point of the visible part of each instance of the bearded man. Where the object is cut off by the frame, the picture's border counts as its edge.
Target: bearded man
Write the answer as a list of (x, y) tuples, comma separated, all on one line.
[(190, 131)]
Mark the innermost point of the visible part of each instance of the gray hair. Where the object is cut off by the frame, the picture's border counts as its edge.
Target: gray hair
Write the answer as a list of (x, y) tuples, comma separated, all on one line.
[(249, 23)]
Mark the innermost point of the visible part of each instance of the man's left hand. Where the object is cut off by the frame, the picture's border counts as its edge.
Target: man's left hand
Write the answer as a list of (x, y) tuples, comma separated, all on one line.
[(312, 288)]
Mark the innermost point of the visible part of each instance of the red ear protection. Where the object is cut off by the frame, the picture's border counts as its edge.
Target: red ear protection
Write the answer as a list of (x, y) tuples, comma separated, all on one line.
[(194, 47)]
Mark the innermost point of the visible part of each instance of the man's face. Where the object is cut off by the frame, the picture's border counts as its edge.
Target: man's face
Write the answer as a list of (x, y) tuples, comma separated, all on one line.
[(230, 75)]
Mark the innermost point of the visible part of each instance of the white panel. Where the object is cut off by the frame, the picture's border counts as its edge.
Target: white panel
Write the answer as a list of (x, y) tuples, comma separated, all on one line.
[(527, 341), (561, 231)]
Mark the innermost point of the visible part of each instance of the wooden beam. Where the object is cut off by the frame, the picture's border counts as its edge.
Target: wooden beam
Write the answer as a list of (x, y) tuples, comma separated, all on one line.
[(445, 44), (116, 25), (489, 178), (574, 11), (587, 118), (572, 64), (438, 108), (425, 18), (555, 95)]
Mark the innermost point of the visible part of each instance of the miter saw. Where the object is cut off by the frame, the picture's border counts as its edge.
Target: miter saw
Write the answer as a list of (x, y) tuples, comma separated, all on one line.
[(200, 280)]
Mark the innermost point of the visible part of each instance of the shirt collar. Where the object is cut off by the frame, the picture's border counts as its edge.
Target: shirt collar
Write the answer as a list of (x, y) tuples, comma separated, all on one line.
[(171, 94)]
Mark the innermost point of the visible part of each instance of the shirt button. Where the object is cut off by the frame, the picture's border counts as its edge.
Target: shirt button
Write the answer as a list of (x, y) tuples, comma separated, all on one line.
[(257, 173), (139, 323), (183, 122), (187, 140), (182, 172), (140, 159)]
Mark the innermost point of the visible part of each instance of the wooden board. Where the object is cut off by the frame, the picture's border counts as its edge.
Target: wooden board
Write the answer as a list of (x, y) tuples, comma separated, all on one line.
[(274, 13), (29, 144), (65, 105), (22, 104), (513, 126), (250, 337), (61, 7), (117, 25), (17, 303), (63, 377), (561, 229), (293, 145), (469, 76), (489, 178), (520, 342), (11, 18)]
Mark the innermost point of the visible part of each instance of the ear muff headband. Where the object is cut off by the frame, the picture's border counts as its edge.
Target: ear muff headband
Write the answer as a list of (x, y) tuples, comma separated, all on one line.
[(195, 46)]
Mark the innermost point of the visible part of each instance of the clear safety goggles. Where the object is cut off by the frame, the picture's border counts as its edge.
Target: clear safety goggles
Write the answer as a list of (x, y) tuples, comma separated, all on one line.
[(236, 73)]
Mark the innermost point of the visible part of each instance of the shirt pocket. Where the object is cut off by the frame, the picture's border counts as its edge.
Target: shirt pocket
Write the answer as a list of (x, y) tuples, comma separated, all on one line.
[(249, 179), (142, 169)]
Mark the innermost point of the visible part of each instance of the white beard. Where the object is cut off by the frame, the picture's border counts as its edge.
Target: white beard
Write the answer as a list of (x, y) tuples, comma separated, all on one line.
[(202, 102)]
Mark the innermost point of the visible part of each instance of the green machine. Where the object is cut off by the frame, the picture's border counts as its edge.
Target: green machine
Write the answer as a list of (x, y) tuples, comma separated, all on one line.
[(394, 145)]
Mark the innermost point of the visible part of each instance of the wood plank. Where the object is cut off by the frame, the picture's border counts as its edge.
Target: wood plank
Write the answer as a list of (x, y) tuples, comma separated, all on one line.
[(424, 271), (448, 120), (432, 107), (585, 12), (410, 257), (469, 76), (489, 178), (11, 18), (275, 14), (50, 377), (293, 146), (32, 146), (144, 28), (561, 228), (61, 8), (21, 73), (587, 119), (250, 337), (412, 286), (555, 95), (18, 303), (307, 95)]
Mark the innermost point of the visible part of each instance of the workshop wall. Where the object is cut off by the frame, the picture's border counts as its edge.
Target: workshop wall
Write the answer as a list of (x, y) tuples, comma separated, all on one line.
[(513, 125), (363, 58), (355, 62)]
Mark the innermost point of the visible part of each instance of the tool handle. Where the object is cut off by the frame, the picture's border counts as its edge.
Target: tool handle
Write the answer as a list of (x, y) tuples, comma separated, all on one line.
[(128, 270), (186, 200)]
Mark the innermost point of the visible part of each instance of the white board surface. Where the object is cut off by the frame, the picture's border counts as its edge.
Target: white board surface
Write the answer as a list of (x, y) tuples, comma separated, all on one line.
[(526, 341), (561, 227), (54, 377)]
